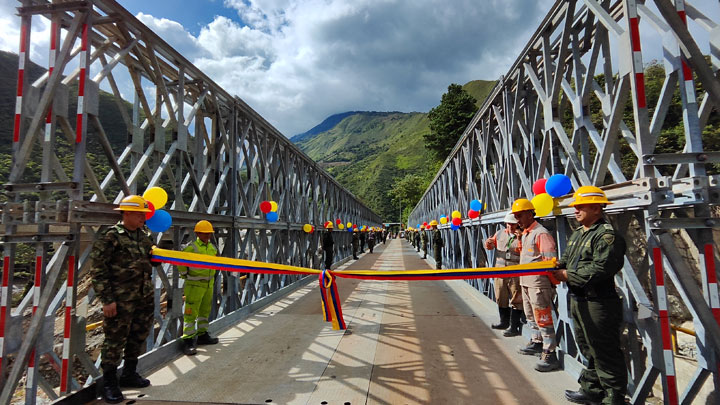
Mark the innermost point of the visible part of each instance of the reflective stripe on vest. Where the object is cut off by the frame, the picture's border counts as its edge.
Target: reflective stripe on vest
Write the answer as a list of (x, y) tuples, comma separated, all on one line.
[(190, 277)]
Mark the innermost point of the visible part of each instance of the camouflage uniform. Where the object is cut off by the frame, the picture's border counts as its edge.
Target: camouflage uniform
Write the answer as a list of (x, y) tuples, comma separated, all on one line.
[(121, 273), (437, 244), (424, 243), (592, 259)]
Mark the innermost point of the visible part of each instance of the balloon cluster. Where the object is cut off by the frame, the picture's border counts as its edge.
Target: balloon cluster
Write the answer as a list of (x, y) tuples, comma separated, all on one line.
[(456, 220), (269, 208), (350, 226), (546, 190), (475, 209), (157, 220)]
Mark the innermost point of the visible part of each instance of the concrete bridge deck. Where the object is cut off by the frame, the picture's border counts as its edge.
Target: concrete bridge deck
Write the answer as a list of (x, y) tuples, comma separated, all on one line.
[(408, 342)]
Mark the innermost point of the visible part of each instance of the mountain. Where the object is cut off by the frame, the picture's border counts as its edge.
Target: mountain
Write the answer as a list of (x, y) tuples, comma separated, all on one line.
[(367, 152)]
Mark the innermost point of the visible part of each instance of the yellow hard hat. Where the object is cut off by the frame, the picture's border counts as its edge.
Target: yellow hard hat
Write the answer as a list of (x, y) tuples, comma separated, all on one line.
[(433, 223), (204, 226), (589, 195), (355, 230), (133, 203), (329, 225), (522, 204)]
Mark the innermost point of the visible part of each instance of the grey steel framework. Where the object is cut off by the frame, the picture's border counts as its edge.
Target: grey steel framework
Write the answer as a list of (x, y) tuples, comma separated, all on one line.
[(538, 122), (216, 157)]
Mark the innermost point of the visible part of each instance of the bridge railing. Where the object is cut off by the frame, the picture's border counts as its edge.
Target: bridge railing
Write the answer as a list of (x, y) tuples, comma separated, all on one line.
[(216, 157), (575, 103)]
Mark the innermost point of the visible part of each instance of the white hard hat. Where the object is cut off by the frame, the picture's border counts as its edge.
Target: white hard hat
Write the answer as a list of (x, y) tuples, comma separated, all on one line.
[(510, 218)]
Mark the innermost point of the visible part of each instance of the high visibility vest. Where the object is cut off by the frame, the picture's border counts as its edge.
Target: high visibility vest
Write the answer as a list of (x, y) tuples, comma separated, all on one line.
[(197, 273), (536, 245)]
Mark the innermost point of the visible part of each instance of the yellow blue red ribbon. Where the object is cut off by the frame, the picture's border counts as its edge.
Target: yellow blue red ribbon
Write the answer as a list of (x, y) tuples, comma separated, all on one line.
[(332, 312)]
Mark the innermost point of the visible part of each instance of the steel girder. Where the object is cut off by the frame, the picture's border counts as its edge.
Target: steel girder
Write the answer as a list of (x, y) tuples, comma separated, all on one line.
[(216, 157), (586, 58)]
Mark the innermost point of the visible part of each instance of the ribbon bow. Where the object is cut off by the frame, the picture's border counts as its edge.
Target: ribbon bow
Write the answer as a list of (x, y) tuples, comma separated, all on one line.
[(331, 300)]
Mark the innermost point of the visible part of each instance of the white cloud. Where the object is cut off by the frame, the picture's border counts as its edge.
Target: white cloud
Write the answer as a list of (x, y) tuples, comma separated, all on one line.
[(298, 61)]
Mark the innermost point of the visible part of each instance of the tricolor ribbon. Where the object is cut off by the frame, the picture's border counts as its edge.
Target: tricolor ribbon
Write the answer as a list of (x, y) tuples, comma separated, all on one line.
[(328, 285), (332, 312)]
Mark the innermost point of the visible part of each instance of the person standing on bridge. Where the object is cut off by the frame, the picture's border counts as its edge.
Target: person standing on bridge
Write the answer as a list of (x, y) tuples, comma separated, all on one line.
[(507, 289), (199, 287), (538, 291), (121, 275), (424, 242), (362, 240), (371, 240), (417, 238), (328, 245), (594, 254), (437, 244), (355, 243)]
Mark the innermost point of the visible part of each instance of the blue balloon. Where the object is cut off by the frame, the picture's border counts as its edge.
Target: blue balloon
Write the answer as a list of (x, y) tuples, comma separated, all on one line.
[(349, 229), (558, 185), (476, 205), (454, 227), (160, 221), (271, 216)]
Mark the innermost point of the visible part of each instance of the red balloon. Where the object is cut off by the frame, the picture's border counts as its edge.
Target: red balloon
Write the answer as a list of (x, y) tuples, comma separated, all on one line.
[(472, 214), (539, 186), (265, 207), (338, 221), (149, 215), (424, 223), (354, 225), (457, 221)]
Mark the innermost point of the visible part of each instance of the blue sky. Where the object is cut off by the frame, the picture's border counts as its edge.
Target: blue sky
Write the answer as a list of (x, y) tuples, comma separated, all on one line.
[(296, 62)]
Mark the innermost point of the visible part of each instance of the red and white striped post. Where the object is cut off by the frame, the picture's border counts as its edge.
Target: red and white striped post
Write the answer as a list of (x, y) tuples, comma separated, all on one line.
[(4, 306), (638, 69), (687, 76), (51, 67), (24, 39), (81, 117), (65, 368), (31, 383), (671, 395)]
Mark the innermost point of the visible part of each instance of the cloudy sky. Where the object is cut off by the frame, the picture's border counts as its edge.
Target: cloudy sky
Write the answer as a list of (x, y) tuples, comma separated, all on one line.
[(299, 61)]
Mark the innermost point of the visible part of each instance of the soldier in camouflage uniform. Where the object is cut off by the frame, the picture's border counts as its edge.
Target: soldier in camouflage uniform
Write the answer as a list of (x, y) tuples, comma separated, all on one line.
[(355, 243), (437, 244), (121, 276), (424, 242), (594, 254)]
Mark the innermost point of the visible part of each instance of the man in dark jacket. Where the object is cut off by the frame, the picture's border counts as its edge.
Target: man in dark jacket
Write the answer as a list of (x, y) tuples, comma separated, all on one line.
[(355, 243), (328, 244)]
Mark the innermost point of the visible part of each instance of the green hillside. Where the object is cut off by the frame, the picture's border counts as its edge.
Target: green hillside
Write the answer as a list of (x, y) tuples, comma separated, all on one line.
[(479, 89)]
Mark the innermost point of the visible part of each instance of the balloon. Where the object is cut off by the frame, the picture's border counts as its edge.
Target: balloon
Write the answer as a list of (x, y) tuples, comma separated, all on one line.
[(350, 228), (149, 215), (307, 228), (558, 185), (539, 186), (338, 221), (425, 224), (160, 222), (472, 214), (341, 226), (349, 225), (312, 229), (273, 206), (457, 221), (157, 196), (475, 205), (543, 204), (456, 214), (443, 220), (265, 207), (454, 227), (354, 225), (271, 216)]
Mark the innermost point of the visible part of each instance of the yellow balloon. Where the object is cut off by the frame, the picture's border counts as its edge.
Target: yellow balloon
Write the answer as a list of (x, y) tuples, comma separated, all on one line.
[(543, 204), (443, 220), (456, 214), (157, 196), (341, 226), (349, 225), (307, 228), (273, 206)]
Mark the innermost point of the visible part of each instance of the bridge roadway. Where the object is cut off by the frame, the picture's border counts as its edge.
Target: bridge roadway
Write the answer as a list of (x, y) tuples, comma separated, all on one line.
[(408, 342)]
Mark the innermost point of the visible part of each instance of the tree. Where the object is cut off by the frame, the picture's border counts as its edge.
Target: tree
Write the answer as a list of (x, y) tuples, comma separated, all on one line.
[(448, 121), (407, 192)]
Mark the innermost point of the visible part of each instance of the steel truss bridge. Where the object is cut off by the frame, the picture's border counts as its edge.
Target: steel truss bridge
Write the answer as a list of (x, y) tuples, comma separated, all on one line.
[(586, 58), (218, 159)]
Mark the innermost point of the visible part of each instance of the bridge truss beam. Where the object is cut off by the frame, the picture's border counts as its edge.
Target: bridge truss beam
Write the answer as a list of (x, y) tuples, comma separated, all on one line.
[(574, 103), (217, 158)]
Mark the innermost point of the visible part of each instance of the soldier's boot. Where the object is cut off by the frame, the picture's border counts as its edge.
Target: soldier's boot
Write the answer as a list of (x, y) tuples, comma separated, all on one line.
[(130, 377), (531, 349), (515, 328), (189, 347), (504, 319), (581, 397), (206, 339), (548, 362), (111, 391)]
